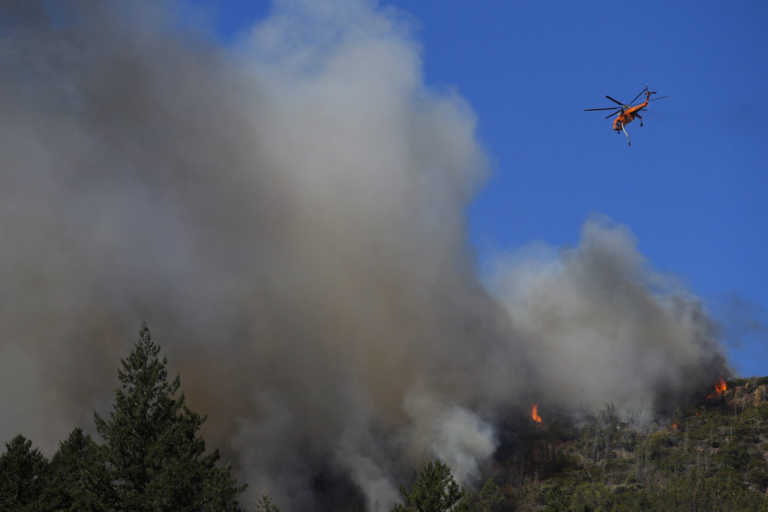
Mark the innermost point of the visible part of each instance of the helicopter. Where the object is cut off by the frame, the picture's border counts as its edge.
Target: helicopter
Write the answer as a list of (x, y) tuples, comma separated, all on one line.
[(627, 112)]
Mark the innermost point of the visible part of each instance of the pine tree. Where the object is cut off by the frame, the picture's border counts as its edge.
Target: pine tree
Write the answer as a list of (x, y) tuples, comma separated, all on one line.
[(265, 505), (78, 478), (487, 499), (23, 476), (434, 490), (155, 458)]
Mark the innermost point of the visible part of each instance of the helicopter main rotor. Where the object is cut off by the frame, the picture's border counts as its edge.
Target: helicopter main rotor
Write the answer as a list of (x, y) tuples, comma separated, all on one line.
[(624, 106)]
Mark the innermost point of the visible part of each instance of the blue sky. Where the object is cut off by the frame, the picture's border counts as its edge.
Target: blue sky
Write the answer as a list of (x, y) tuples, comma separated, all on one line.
[(693, 185)]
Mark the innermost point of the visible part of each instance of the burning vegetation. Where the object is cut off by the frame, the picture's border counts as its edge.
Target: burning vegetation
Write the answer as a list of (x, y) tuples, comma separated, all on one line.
[(720, 388), (535, 413), (711, 455)]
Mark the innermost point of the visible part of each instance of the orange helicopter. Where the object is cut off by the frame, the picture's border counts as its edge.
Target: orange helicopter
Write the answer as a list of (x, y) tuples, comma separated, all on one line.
[(627, 112)]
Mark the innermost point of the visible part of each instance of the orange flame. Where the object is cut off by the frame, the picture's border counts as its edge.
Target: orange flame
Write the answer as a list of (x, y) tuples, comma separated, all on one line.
[(535, 413), (720, 388), (674, 426)]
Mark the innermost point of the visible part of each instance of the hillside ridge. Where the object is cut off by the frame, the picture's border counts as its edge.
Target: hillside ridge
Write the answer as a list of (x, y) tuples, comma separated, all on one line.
[(712, 455)]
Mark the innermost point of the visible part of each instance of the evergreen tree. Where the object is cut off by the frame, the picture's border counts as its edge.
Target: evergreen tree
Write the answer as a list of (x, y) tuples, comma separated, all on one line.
[(434, 490), (78, 479), (265, 505), (487, 499), (23, 476), (155, 458)]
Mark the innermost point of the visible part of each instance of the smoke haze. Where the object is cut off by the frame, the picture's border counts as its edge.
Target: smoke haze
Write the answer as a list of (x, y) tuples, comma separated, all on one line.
[(288, 214)]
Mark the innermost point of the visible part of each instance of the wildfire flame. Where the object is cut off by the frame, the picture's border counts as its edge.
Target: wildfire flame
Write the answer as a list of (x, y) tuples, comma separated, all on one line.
[(720, 388), (535, 413)]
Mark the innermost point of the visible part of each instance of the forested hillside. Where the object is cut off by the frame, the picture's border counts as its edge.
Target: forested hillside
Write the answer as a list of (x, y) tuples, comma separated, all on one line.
[(711, 456), (149, 456)]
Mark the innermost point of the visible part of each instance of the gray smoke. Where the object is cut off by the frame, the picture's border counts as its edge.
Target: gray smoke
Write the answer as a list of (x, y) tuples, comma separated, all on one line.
[(603, 327), (288, 213)]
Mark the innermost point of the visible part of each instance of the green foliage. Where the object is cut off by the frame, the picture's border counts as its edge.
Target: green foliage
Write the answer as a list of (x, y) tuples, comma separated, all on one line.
[(488, 499), (154, 457), (734, 457), (680, 493), (23, 476), (712, 459), (266, 505), (434, 490), (78, 479)]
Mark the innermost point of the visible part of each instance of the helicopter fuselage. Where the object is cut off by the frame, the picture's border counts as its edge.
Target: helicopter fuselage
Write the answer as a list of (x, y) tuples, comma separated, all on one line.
[(626, 112), (627, 116)]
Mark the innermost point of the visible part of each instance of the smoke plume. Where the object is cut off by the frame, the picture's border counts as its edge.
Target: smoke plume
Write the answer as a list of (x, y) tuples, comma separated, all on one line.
[(601, 326), (288, 213)]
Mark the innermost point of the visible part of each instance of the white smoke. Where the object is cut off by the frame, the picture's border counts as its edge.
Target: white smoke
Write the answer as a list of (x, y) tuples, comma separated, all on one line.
[(453, 434), (603, 325)]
